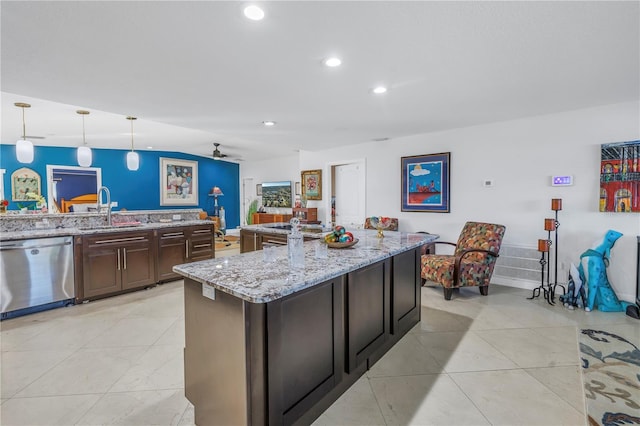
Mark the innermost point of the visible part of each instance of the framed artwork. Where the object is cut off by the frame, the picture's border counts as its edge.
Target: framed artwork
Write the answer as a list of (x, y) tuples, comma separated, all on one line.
[(259, 189), (23, 181), (620, 177), (312, 184), (178, 182), (425, 183)]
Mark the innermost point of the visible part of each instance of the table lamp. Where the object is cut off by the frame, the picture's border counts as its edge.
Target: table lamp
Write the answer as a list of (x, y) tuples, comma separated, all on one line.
[(216, 192)]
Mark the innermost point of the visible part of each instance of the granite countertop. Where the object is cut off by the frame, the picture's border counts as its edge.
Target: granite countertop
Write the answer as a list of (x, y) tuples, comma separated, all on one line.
[(72, 231), (250, 278)]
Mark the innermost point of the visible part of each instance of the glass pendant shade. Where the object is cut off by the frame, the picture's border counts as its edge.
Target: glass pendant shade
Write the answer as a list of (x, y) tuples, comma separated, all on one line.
[(133, 161), (24, 151), (84, 156)]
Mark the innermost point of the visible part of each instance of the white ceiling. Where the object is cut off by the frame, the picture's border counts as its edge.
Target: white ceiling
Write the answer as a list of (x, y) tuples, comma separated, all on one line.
[(198, 72)]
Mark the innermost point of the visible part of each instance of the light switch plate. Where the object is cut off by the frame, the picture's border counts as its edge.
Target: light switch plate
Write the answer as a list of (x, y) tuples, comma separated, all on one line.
[(208, 292)]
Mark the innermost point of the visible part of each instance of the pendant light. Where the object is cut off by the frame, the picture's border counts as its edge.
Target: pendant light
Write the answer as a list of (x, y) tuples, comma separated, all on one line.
[(133, 160), (84, 154), (24, 148)]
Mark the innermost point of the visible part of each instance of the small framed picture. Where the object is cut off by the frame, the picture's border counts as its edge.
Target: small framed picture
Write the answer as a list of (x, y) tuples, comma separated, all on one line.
[(312, 184), (259, 189)]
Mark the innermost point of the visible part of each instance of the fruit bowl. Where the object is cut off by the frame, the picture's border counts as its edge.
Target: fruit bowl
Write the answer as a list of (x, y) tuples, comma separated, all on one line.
[(342, 245)]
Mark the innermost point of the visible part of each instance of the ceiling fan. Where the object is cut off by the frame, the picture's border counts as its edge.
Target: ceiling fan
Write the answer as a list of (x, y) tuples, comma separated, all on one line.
[(217, 155)]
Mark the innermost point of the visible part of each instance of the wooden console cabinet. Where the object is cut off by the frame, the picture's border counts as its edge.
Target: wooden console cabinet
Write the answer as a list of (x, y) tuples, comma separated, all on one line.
[(307, 215), (259, 218)]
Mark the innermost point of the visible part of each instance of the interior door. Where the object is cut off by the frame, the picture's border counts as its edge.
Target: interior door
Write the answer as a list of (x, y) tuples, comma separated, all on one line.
[(349, 191)]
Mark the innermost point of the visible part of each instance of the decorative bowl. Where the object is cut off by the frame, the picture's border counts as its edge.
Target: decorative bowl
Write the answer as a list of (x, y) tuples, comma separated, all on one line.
[(343, 245)]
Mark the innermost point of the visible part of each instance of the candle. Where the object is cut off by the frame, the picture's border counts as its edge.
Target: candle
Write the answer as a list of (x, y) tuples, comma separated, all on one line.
[(556, 204), (543, 245), (549, 224)]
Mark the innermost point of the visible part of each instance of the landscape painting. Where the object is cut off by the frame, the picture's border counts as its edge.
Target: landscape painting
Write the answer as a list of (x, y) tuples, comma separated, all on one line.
[(425, 183), (276, 194)]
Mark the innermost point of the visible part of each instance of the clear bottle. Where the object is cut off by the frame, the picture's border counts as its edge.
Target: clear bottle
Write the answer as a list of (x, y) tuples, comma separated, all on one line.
[(295, 245)]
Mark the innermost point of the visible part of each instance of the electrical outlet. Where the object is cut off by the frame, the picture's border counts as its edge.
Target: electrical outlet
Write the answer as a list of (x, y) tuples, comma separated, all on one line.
[(177, 217), (208, 292), (114, 204)]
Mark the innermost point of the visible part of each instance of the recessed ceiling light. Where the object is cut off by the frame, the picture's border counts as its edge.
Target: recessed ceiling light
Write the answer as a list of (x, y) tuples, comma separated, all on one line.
[(333, 62), (379, 90), (254, 13), (269, 123)]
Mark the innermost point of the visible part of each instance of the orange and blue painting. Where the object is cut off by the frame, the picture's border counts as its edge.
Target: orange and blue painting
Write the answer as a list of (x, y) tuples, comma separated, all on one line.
[(620, 177), (425, 183)]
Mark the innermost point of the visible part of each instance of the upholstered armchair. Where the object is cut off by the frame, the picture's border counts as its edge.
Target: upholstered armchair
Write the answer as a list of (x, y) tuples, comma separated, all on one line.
[(472, 262)]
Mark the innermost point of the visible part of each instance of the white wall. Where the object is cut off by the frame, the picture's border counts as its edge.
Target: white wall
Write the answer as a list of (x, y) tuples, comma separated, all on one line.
[(253, 173), (521, 156)]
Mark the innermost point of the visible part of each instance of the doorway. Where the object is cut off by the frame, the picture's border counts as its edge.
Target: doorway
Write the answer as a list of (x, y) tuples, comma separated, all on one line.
[(348, 194)]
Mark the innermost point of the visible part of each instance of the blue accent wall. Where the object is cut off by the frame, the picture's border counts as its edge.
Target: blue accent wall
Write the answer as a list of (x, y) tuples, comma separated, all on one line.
[(139, 190)]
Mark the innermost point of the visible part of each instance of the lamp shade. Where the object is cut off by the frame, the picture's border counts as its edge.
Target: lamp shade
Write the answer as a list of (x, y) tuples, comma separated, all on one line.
[(24, 151), (216, 191), (84, 156), (556, 204), (133, 160)]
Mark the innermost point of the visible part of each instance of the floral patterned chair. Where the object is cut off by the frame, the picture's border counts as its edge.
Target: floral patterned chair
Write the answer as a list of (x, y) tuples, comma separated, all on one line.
[(472, 262)]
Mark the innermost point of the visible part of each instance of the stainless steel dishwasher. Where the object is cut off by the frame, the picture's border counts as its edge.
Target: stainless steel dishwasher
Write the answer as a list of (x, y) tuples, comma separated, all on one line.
[(35, 274)]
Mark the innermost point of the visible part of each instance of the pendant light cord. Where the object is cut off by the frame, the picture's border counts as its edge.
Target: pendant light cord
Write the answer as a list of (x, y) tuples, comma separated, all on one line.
[(24, 127), (84, 140)]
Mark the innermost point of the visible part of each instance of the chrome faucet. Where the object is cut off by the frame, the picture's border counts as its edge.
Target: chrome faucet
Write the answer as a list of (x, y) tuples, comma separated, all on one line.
[(106, 190)]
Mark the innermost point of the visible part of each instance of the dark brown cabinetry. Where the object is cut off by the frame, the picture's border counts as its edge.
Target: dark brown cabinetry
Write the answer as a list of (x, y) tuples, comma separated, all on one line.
[(201, 245), (172, 250), (252, 241), (183, 245), (287, 360), (111, 263), (117, 262)]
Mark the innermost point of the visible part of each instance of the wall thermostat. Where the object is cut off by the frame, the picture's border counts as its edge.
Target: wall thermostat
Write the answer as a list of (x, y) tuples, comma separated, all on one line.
[(566, 180)]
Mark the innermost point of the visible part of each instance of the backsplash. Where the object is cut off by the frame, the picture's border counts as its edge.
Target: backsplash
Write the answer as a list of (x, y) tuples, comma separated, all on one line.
[(15, 222)]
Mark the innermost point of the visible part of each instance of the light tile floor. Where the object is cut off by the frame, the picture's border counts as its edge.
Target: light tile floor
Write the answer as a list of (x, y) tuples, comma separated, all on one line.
[(474, 360)]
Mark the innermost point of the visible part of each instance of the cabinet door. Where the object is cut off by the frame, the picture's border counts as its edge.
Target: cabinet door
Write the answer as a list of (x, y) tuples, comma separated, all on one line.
[(101, 271), (247, 241), (305, 349), (405, 291), (138, 265), (201, 244), (172, 251), (368, 300)]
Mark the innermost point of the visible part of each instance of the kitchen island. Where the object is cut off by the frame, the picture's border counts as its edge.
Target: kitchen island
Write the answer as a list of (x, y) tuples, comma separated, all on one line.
[(270, 344)]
